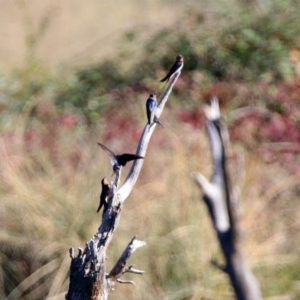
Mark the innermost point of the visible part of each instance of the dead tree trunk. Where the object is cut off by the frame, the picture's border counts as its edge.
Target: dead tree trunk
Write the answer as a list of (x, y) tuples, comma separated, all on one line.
[(222, 200), (88, 276)]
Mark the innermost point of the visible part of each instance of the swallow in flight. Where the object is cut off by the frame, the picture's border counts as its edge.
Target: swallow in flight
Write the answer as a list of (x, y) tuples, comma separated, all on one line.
[(118, 161), (175, 68), (104, 193)]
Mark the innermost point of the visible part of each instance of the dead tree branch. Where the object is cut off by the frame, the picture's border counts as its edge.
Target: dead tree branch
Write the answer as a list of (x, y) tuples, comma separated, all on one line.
[(144, 141), (120, 267), (223, 200), (88, 277)]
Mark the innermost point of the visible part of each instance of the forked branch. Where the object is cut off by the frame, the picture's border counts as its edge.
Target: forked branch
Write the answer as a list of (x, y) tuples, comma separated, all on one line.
[(120, 267), (222, 200), (88, 277)]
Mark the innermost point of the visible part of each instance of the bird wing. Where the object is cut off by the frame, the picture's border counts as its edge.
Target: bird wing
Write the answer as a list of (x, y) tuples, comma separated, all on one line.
[(104, 193), (148, 110), (100, 204), (103, 196), (174, 68), (126, 157), (111, 155), (149, 116), (165, 78), (151, 105)]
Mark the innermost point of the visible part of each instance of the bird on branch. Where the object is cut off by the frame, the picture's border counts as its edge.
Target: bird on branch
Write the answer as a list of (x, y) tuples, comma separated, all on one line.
[(175, 68), (151, 105), (118, 161), (104, 194)]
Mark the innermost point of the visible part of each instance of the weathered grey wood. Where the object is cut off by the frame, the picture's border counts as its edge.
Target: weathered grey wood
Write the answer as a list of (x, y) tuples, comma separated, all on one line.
[(144, 141), (88, 276), (223, 201), (120, 267)]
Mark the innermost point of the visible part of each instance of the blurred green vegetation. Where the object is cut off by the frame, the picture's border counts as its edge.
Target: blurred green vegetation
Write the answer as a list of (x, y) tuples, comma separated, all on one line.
[(244, 44), (51, 167)]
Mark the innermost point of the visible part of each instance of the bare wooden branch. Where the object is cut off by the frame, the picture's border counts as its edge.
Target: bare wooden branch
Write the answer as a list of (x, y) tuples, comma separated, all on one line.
[(143, 144), (126, 281), (222, 200), (132, 270), (120, 267), (88, 279)]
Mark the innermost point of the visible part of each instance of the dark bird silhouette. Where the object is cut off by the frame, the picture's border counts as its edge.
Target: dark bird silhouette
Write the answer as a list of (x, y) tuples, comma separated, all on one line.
[(118, 161), (104, 193), (175, 68), (151, 105)]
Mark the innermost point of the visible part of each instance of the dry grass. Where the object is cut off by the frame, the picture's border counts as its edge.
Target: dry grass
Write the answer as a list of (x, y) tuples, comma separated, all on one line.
[(50, 178), (48, 204)]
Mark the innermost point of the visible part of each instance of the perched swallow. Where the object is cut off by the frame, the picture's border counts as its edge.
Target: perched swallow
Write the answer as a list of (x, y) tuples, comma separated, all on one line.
[(151, 105), (175, 68), (104, 193), (119, 161)]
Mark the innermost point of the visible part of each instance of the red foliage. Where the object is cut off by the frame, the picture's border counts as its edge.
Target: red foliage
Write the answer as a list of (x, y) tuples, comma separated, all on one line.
[(120, 126), (279, 129), (246, 130), (286, 96), (68, 120), (222, 90), (194, 117)]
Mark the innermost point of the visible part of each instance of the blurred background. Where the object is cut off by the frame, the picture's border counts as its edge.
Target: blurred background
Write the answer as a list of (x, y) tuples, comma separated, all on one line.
[(74, 73)]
